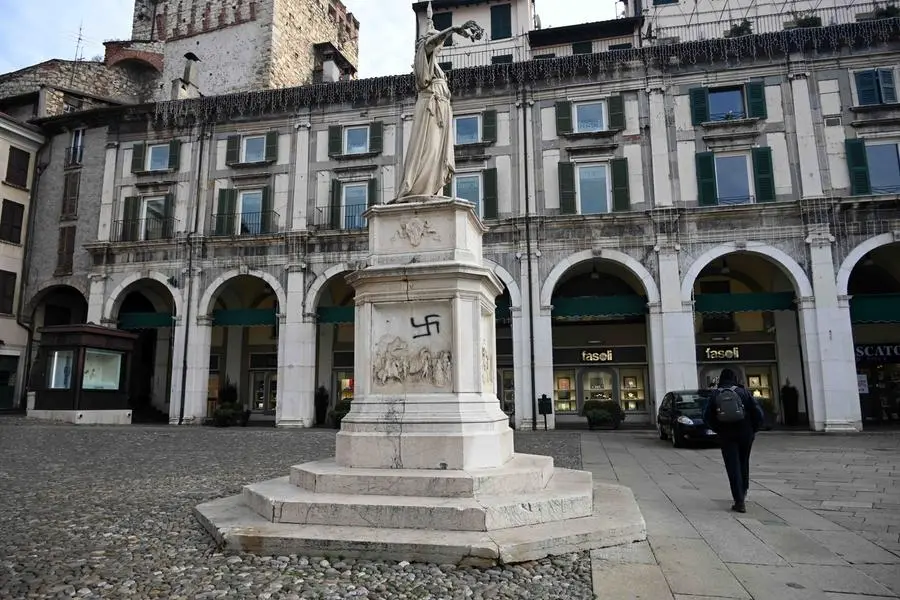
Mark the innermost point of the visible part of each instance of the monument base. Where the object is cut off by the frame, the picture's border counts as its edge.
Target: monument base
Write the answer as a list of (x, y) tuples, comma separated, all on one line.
[(424, 467), (525, 510)]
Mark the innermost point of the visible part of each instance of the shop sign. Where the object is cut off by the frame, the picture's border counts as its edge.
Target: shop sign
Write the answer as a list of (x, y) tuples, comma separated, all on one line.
[(600, 356), (881, 353), (707, 353)]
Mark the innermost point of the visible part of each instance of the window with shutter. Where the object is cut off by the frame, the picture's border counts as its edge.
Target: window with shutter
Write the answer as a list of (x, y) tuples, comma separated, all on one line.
[(756, 100), (272, 147), (444, 21), (7, 292), (17, 164), (857, 163), (137, 158), (376, 137), (174, 155), (71, 187), (335, 208), (699, 105), (65, 250), (763, 174), (563, 118), (567, 188), (233, 150), (616, 112), (620, 190), (886, 86), (489, 207), (11, 221), (489, 127), (583, 48), (501, 22), (707, 195)]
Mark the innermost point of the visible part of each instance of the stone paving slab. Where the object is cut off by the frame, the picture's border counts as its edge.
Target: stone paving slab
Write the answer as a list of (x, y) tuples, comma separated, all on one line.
[(629, 582), (692, 568), (733, 542), (792, 544), (886, 575), (854, 548)]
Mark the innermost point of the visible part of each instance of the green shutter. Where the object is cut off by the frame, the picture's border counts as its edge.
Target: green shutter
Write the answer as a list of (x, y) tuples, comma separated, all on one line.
[(887, 87), (617, 112), (489, 127), (707, 194), (563, 118), (620, 191), (137, 158), (335, 204), (131, 218), (756, 100), (867, 87), (489, 209), (233, 150), (267, 218), (763, 174), (225, 212), (567, 188), (858, 163), (335, 140), (175, 155), (372, 192), (168, 228), (443, 21), (376, 137), (699, 105), (448, 189), (501, 22), (272, 146)]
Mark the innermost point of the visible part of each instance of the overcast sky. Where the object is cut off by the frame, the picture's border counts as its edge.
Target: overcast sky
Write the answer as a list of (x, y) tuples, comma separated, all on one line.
[(32, 31)]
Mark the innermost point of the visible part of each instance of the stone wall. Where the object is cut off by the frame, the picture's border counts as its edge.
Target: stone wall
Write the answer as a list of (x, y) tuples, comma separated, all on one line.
[(125, 83)]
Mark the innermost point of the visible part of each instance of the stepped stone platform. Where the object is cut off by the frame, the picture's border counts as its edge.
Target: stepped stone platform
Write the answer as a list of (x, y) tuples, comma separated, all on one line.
[(525, 510)]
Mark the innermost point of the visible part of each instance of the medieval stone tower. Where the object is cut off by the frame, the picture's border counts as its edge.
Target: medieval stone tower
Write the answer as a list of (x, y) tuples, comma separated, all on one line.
[(214, 47)]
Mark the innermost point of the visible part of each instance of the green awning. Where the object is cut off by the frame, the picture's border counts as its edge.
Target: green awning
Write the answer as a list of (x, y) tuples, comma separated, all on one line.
[(586, 307), (244, 317), (336, 315), (142, 320), (875, 308), (752, 302)]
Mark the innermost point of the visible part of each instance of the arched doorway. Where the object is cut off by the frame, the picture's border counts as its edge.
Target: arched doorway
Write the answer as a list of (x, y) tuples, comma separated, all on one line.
[(147, 308), (506, 381), (335, 338), (600, 341), (745, 318), (243, 358), (874, 289)]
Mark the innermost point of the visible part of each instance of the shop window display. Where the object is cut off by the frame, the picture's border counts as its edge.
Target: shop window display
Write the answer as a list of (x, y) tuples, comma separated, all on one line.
[(102, 370), (564, 395), (633, 394), (599, 385), (344, 385), (59, 375)]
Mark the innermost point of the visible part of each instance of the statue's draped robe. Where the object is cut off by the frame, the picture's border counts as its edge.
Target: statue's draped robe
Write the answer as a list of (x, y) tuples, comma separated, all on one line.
[(429, 163)]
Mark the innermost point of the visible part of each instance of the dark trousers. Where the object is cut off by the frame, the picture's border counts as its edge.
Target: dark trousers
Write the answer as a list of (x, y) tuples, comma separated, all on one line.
[(736, 454)]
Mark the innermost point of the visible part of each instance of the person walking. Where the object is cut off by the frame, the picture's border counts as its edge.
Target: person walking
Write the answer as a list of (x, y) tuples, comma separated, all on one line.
[(735, 416)]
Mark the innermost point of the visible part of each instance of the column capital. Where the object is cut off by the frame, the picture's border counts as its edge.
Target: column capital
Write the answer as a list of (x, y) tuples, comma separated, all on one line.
[(818, 239), (297, 267), (798, 75), (805, 302), (110, 145), (654, 308), (311, 317), (667, 247), (108, 322), (303, 125), (204, 320), (656, 86), (844, 300), (97, 277)]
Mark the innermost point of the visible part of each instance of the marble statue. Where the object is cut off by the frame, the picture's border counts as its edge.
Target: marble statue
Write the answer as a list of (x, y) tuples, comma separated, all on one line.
[(430, 163)]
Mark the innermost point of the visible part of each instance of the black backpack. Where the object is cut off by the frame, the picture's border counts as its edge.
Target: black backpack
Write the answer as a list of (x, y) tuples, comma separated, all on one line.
[(729, 405)]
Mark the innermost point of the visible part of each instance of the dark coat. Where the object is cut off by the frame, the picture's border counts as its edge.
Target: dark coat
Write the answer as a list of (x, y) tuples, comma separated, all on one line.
[(753, 415)]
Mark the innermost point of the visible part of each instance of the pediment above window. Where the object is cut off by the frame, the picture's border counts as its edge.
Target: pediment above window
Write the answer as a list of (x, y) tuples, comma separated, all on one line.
[(731, 135)]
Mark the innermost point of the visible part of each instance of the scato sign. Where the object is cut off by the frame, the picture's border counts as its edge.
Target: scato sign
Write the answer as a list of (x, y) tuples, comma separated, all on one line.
[(878, 352)]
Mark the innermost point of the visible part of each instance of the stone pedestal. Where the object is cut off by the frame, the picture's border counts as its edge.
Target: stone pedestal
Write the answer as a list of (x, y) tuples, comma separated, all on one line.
[(424, 467)]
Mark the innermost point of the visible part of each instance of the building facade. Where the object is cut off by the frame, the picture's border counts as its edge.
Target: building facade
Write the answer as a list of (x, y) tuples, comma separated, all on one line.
[(655, 214), (19, 145)]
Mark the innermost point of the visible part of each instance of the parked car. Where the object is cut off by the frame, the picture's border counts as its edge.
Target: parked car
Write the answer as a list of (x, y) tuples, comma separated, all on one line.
[(680, 417)]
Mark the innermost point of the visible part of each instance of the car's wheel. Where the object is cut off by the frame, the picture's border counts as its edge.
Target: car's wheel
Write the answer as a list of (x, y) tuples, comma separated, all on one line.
[(662, 433), (677, 440)]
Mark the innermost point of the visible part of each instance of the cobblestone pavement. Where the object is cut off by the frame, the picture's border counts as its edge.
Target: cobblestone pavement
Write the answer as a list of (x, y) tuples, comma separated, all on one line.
[(105, 512), (822, 521)]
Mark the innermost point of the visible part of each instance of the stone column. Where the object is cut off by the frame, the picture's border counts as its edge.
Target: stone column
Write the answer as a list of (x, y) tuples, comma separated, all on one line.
[(807, 146), (296, 360), (659, 145), (97, 300), (197, 387), (521, 362), (161, 387), (833, 329), (178, 356), (526, 402), (676, 321)]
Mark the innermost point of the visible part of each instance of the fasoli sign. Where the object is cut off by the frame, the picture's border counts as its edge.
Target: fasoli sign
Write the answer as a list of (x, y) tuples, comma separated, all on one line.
[(708, 353), (881, 353), (596, 356), (600, 356)]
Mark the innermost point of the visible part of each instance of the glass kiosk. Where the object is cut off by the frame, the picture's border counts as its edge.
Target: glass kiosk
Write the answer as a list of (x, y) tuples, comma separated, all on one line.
[(81, 372)]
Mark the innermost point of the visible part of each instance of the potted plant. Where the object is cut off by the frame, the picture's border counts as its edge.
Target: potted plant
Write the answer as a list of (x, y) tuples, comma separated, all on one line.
[(340, 411), (228, 412), (745, 27), (321, 403), (888, 11), (603, 413)]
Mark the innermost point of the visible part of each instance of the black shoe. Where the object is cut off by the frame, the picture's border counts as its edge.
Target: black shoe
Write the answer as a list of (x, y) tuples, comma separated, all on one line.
[(739, 507)]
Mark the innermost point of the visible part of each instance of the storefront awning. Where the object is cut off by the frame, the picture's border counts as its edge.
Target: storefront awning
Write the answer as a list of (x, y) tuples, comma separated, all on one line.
[(148, 320), (244, 317), (586, 307), (751, 302), (336, 315), (875, 308)]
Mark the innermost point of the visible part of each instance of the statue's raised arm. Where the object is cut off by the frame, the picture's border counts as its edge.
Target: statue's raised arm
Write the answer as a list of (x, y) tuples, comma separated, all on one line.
[(429, 164)]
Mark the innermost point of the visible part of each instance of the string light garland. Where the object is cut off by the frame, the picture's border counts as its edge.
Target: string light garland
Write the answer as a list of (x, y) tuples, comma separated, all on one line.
[(223, 108)]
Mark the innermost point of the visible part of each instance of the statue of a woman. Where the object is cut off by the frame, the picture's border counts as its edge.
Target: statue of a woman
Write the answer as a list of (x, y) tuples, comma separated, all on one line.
[(429, 161)]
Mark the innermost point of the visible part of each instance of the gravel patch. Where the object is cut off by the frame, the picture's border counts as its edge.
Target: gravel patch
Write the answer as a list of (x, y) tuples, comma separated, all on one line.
[(105, 512)]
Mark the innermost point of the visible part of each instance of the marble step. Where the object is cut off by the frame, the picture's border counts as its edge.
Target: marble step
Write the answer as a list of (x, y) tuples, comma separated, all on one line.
[(523, 474), (616, 520), (567, 496)]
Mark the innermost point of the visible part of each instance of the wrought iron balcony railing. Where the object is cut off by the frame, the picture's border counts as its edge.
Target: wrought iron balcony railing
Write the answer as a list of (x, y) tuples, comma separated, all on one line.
[(244, 224), (345, 217), (74, 155), (141, 230)]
